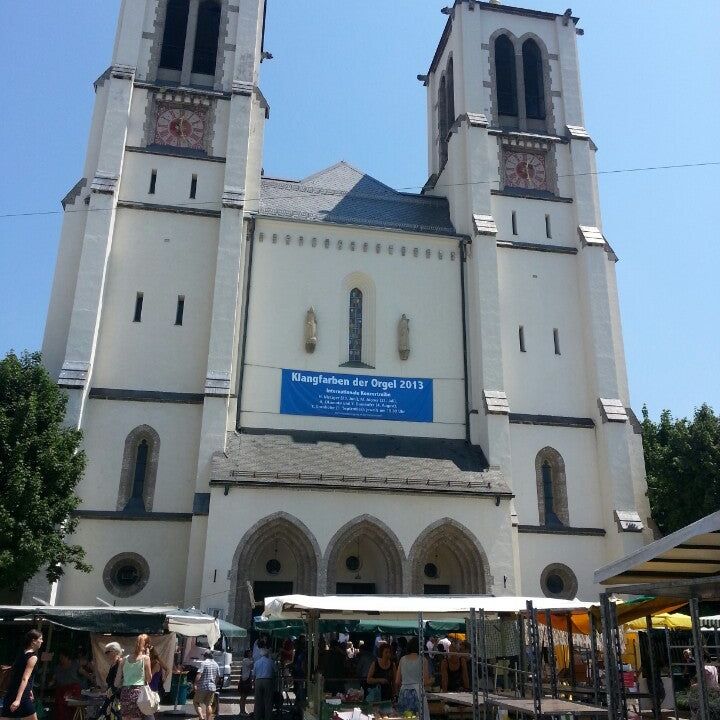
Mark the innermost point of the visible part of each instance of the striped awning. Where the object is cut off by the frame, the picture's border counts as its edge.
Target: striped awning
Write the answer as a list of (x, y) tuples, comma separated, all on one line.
[(688, 555)]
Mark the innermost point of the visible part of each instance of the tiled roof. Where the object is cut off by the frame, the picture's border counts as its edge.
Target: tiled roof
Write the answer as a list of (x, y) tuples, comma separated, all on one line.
[(371, 462), (342, 194)]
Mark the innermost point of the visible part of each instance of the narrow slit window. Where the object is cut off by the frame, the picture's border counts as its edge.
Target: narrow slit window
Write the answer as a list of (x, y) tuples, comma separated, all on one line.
[(137, 316), (193, 187), (521, 338), (153, 182), (180, 310), (355, 326), (548, 229), (556, 341), (514, 223)]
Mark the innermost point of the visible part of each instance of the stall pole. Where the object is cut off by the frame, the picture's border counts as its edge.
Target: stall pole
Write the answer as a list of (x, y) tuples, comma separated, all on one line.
[(617, 709), (670, 670), (486, 674), (474, 664), (571, 651), (551, 655), (537, 660), (422, 648), (522, 659), (594, 651), (43, 679), (651, 684), (699, 663)]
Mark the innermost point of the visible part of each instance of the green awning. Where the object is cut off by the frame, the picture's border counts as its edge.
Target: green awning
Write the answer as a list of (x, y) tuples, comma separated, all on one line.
[(114, 621), (230, 630)]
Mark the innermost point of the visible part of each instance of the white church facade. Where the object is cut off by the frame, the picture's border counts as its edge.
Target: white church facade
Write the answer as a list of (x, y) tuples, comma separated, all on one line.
[(325, 385)]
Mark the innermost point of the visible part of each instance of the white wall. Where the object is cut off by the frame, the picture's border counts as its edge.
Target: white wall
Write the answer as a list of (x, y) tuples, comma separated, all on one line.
[(324, 513), (104, 539), (288, 278), (107, 425), (162, 255)]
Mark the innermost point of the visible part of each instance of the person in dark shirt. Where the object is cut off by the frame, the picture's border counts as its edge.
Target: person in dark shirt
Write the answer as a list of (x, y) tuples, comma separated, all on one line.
[(19, 701)]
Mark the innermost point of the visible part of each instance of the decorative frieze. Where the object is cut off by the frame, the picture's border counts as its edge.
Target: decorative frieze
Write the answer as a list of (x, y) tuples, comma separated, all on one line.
[(234, 198), (591, 236), (628, 521), (612, 410), (217, 384), (105, 184), (74, 374), (484, 225), (496, 402)]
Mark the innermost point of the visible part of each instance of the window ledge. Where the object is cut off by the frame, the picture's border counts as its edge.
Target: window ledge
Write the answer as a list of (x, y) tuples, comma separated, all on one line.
[(560, 530), (357, 365), (531, 195)]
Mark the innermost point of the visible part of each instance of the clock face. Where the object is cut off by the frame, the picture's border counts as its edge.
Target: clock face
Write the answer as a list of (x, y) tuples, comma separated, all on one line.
[(525, 170), (180, 127)]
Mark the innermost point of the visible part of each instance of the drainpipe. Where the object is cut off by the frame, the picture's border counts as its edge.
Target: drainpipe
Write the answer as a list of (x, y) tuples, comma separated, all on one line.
[(250, 240), (462, 244)]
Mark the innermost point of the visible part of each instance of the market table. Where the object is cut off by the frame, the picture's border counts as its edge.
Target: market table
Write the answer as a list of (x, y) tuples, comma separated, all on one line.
[(549, 706)]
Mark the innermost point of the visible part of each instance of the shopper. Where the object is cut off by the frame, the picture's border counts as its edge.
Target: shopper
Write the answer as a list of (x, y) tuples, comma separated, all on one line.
[(412, 675), (110, 709), (264, 671), (245, 687), (206, 686), (19, 701), (454, 671), (136, 673), (382, 673), (158, 669), (66, 681)]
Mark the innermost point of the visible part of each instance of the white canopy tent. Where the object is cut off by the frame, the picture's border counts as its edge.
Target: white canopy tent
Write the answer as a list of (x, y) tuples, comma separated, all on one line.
[(405, 607)]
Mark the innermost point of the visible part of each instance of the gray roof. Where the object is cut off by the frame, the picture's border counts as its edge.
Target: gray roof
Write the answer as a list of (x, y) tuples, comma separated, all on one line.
[(343, 460), (342, 194)]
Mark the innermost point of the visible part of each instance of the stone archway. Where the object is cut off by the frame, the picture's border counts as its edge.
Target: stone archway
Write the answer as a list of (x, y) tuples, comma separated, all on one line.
[(379, 550), (277, 533), (461, 563)]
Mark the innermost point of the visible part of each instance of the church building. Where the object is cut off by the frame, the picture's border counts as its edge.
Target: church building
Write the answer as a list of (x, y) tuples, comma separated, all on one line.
[(324, 385)]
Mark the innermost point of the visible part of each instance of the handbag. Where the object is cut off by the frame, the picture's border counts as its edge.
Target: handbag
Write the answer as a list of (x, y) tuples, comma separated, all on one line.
[(148, 701), (374, 694)]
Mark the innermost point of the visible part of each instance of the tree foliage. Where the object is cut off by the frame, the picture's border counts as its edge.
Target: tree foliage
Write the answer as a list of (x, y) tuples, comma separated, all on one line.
[(682, 461), (40, 466)]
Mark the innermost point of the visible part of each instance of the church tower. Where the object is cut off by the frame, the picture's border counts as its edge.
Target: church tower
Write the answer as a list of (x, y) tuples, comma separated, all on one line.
[(147, 299), (508, 147)]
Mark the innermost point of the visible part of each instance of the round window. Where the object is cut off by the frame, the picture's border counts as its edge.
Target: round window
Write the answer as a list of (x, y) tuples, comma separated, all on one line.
[(126, 574), (431, 570), (273, 566), (559, 581), (352, 563)]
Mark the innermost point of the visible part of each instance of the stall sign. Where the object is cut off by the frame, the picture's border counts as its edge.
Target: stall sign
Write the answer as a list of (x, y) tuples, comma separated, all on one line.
[(356, 396)]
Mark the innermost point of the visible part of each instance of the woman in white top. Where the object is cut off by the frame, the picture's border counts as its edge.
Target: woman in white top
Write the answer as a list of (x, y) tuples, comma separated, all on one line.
[(412, 676)]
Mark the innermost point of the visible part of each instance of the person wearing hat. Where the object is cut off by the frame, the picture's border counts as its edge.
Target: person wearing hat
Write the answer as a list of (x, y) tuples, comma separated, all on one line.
[(206, 686)]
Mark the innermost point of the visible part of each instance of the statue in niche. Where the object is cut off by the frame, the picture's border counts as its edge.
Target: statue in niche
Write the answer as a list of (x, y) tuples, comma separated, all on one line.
[(404, 337), (310, 330)]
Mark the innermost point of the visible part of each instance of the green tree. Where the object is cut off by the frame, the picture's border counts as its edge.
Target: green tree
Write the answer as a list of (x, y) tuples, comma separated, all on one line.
[(40, 466), (682, 460)]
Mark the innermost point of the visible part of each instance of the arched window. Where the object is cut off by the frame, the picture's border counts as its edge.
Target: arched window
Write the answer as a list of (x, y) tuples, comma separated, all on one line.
[(173, 44), (534, 84), (442, 123), (206, 38), (506, 80), (139, 470), (551, 488), (355, 326)]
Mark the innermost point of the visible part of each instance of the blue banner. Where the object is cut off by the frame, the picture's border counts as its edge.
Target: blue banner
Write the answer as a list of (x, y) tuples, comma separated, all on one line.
[(356, 396)]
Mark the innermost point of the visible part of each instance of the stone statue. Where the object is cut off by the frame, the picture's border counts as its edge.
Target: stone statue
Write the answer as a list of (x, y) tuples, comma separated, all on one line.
[(310, 330), (404, 337)]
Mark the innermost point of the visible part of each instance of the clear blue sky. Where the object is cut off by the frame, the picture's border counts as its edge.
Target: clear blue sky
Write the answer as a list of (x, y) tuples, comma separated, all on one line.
[(342, 86)]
